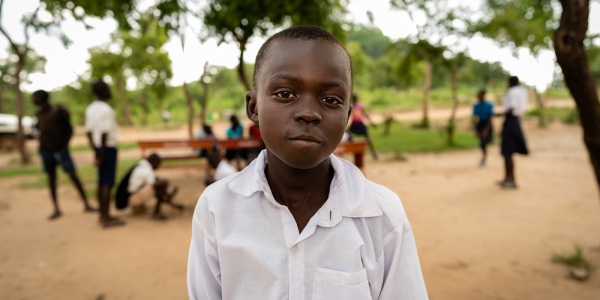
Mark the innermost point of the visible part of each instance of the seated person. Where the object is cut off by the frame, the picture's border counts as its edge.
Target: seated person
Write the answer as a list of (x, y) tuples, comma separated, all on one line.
[(143, 184), (205, 133), (219, 168), (254, 132), (234, 132)]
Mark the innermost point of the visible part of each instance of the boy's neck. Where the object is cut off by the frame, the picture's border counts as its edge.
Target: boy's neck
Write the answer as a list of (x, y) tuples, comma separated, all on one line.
[(297, 188)]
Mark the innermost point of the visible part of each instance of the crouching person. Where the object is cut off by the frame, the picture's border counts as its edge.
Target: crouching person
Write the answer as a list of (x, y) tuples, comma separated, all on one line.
[(142, 185)]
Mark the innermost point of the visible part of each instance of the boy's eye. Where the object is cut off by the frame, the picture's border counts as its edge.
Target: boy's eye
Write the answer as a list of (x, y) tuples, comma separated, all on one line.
[(284, 95), (331, 100)]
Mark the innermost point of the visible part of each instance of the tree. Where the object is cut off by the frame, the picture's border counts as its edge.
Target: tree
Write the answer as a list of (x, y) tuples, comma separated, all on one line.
[(238, 20), (454, 65), (21, 52), (515, 24), (571, 56), (32, 22), (538, 25), (440, 22), (33, 63)]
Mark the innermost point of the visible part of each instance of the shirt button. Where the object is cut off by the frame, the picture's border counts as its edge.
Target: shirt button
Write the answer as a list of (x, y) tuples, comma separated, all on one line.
[(294, 249)]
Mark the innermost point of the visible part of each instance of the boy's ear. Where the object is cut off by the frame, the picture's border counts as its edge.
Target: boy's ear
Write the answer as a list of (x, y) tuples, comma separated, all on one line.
[(349, 113), (251, 108)]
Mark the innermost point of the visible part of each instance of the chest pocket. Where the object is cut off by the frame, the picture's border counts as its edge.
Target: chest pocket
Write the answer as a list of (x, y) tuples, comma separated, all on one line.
[(331, 284)]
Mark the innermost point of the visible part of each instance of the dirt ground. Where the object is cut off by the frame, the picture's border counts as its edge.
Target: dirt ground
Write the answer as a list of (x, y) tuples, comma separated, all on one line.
[(475, 240)]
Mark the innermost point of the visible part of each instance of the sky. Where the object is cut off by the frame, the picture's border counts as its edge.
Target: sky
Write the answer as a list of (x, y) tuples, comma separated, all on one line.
[(65, 64)]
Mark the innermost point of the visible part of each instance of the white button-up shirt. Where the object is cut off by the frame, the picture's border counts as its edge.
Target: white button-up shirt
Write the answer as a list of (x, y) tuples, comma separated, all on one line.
[(516, 99), (99, 119), (245, 245), (142, 174)]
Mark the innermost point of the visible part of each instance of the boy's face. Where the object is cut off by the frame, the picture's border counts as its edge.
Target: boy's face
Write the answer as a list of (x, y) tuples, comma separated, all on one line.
[(302, 100)]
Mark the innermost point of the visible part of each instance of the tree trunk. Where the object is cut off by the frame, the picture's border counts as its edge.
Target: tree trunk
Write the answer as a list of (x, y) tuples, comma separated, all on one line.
[(25, 157), (240, 69), (451, 122), (426, 88), (203, 102), (190, 103), (571, 56), (125, 103), (542, 122), (145, 107), (204, 99), (2, 100)]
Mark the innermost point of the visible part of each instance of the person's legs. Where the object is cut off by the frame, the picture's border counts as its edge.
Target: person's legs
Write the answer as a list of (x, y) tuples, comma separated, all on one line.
[(106, 179), (79, 186), (49, 163), (69, 167), (483, 147), (509, 173), (360, 129), (52, 185), (160, 192)]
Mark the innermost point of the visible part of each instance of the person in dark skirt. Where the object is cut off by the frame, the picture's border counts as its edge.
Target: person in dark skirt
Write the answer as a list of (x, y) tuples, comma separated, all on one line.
[(513, 139), (358, 127), (483, 111)]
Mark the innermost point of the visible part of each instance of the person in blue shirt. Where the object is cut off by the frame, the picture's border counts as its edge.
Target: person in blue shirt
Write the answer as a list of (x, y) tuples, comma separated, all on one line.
[(236, 131), (483, 111)]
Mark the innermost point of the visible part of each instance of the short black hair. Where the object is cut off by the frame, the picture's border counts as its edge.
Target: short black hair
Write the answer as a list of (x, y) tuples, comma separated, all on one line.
[(303, 32), (513, 81), (42, 95), (481, 91), (101, 90), (154, 158)]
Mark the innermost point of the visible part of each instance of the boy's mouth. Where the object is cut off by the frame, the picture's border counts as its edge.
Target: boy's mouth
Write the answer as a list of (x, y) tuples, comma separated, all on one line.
[(305, 139)]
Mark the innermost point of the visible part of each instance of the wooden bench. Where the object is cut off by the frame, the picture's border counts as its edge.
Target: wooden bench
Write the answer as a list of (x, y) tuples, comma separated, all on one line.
[(188, 149), (180, 149)]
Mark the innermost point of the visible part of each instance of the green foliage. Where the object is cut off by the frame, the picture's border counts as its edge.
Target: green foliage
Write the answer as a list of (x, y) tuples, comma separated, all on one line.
[(565, 114), (403, 138), (573, 260), (525, 23), (371, 40), (238, 20)]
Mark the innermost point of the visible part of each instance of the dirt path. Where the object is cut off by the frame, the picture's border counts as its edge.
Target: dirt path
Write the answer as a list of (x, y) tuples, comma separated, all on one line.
[(475, 241)]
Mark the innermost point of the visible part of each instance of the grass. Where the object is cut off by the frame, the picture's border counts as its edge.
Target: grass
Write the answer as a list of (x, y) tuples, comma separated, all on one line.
[(87, 175), (572, 260), (121, 146), (403, 138), (566, 115), (18, 171)]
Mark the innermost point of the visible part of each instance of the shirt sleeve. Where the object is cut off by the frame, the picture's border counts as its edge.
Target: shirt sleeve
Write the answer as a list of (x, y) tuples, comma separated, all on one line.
[(204, 272), (402, 277)]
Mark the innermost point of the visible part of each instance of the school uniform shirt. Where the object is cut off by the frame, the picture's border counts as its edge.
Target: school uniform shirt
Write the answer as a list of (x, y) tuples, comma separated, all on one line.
[(358, 245), (483, 110), (516, 98), (224, 169), (142, 175), (99, 119)]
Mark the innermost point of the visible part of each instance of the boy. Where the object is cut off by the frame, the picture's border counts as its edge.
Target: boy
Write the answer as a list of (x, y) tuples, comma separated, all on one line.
[(55, 128), (298, 222), (101, 127), (483, 111), (142, 184)]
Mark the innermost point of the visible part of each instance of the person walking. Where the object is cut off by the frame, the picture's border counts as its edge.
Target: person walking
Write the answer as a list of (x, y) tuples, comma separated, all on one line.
[(483, 111), (55, 132), (513, 139)]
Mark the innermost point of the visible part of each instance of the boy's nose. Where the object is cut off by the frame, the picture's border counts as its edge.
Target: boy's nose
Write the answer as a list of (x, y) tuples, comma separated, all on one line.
[(308, 111)]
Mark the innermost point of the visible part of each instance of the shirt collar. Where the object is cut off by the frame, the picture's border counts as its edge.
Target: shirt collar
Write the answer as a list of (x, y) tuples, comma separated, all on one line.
[(347, 180)]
